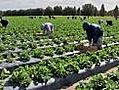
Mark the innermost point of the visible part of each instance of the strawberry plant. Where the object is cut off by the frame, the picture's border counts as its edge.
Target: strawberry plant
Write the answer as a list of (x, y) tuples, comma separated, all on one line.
[(2, 47), (10, 59), (32, 45), (95, 59), (98, 83), (44, 73), (65, 41), (21, 78), (49, 52), (69, 48), (60, 50), (57, 41), (1, 85), (49, 43), (39, 73), (4, 74), (1, 59), (23, 46), (24, 56), (11, 48), (58, 67), (37, 53), (84, 62), (72, 66)]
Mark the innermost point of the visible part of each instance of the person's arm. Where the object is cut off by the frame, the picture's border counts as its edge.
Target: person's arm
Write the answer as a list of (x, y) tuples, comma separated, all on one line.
[(52, 28), (100, 32), (42, 26), (95, 39), (89, 37)]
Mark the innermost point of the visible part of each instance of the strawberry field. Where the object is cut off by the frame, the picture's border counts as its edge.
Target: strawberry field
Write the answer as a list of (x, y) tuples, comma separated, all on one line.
[(29, 59)]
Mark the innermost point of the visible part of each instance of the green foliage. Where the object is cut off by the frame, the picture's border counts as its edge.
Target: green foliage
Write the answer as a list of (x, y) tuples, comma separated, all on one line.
[(21, 77), (32, 45), (37, 53), (24, 56), (60, 50), (21, 34), (49, 52), (2, 47), (1, 85), (101, 82)]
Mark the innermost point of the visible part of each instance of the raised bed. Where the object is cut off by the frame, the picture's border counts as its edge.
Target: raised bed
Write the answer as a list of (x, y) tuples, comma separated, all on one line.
[(58, 83), (36, 60), (33, 60), (71, 79)]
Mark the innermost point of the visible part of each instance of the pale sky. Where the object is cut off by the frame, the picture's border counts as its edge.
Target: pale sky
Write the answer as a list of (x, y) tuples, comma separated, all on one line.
[(25, 4)]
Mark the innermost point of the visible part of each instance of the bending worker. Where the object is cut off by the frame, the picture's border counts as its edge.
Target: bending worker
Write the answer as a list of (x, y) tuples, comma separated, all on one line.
[(94, 34), (47, 28)]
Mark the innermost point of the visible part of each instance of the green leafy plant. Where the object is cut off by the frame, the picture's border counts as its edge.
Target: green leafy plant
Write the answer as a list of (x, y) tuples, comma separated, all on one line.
[(57, 41), (21, 77), (4, 74), (32, 45), (95, 59), (37, 53), (1, 85), (24, 56), (2, 47), (69, 48), (59, 50), (49, 52)]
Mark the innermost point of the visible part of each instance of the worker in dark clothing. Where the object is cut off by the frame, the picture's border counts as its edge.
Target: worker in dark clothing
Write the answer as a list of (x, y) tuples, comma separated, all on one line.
[(94, 34)]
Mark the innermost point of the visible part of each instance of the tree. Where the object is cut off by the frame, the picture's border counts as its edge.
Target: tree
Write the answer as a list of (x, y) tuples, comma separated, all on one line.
[(88, 10), (39, 11), (57, 10), (110, 13), (74, 11), (95, 11), (48, 11), (68, 11), (78, 11), (102, 10), (1, 13), (115, 12)]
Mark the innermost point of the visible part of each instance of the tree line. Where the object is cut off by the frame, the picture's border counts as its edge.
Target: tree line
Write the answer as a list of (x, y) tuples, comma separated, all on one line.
[(87, 10)]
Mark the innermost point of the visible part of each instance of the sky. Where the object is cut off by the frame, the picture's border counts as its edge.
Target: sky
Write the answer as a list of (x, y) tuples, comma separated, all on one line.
[(26, 4)]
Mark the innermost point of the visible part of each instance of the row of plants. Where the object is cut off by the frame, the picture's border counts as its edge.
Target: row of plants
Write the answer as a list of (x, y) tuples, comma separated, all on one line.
[(21, 31), (110, 81), (25, 55), (61, 67), (33, 45)]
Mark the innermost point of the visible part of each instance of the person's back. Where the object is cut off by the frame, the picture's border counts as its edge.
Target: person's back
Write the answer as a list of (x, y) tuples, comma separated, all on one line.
[(96, 29), (47, 27), (94, 33), (3, 22)]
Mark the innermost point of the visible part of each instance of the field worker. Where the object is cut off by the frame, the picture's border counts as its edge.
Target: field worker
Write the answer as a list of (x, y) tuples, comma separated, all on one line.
[(47, 28), (94, 34)]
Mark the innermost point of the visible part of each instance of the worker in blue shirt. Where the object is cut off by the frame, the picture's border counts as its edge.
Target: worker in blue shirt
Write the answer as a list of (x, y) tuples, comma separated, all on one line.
[(94, 34), (47, 28)]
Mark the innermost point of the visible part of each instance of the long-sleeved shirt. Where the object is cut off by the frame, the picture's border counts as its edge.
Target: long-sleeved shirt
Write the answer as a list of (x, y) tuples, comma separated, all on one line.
[(47, 26), (93, 32)]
